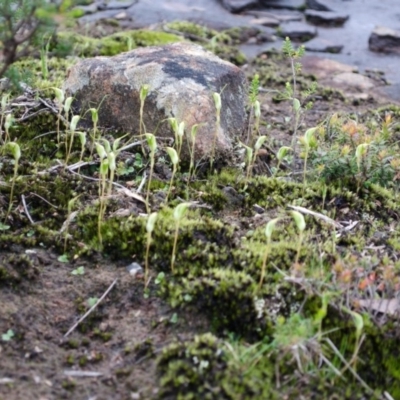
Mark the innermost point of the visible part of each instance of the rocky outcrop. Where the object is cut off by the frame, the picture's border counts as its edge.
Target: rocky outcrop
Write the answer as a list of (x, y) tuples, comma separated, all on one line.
[(384, 40), (181, 79)]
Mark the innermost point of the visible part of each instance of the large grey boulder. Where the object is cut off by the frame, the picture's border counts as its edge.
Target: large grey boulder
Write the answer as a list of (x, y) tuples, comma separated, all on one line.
[(181, 77)]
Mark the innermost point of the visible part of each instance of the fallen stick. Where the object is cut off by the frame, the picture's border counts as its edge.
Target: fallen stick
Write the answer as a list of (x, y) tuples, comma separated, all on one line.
[(91, 309)]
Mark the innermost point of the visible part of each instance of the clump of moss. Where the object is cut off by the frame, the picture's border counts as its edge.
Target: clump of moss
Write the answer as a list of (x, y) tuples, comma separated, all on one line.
[(226, 296), (111, 45), (15, 268), (201, 369)]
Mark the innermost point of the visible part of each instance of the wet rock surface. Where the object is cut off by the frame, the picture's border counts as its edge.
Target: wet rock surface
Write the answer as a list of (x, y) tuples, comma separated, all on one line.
[(385, 40), (181, 80), (326, 17), (364, 17)]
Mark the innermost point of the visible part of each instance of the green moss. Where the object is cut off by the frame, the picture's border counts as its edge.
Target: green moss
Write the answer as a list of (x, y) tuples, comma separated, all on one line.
[(116, 43), (201, 369)]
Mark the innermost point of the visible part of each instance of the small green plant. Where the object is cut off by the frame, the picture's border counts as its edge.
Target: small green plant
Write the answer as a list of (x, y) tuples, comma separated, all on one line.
[(63, 258), (78, 271), (16, 153), (71, 203), (44, 51), (301, 226), (151, 221), (282, 153), (95, 119), (361, 153), (6, 337), (91, 301), (4, 101), (175, 162), (179, 131), (60, 97), (193, 134), (308, 141), (7, 125), (152, 143), (218, 106), (72, 128), (104, 168), (269, 229), (255, 109), (291, 92), (179, 213), (144, 90), (82, 139)]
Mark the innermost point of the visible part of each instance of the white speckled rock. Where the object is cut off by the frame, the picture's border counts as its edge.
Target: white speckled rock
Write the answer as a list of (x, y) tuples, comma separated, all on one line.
[(182, 78)]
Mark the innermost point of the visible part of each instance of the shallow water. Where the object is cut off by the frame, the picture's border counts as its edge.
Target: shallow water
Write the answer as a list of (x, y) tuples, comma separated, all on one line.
[(364, 16)]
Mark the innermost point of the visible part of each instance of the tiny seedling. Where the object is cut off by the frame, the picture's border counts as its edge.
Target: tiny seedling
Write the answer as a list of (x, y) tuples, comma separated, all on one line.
[(72, 128), (179, 131), (308, 141), (218, 106), (70, 205), (361, 153), (16, 153), (91, 301), (95, 119), (282, 152), (104, 168), (7, 125), (193, 134), (4, 100), (254, 103), (152, 143), (160, 278), (60, 96), (144, 90), (269, 229), (151, 220), (63, 258), (78, 271), (44, 51), (82, 139), (175, 161), (6, 337), (301, 226), (179, 213)]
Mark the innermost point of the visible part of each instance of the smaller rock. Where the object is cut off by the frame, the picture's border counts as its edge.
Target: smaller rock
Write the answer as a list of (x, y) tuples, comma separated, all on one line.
[(116, 5), (236, 6), (320, 5), (281, 16), (384, 40), (324, 46), (134, 269), (298, 31), (266, 21), (353, 80), (89, 9), (286, 4), (326, 18)]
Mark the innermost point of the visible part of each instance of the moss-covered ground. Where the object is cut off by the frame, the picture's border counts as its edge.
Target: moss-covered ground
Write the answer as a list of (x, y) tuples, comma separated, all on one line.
[(321, 321)]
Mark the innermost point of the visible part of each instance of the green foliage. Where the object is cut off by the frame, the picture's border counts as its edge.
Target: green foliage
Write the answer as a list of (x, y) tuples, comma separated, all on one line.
[(23, 24), (350, 154)]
